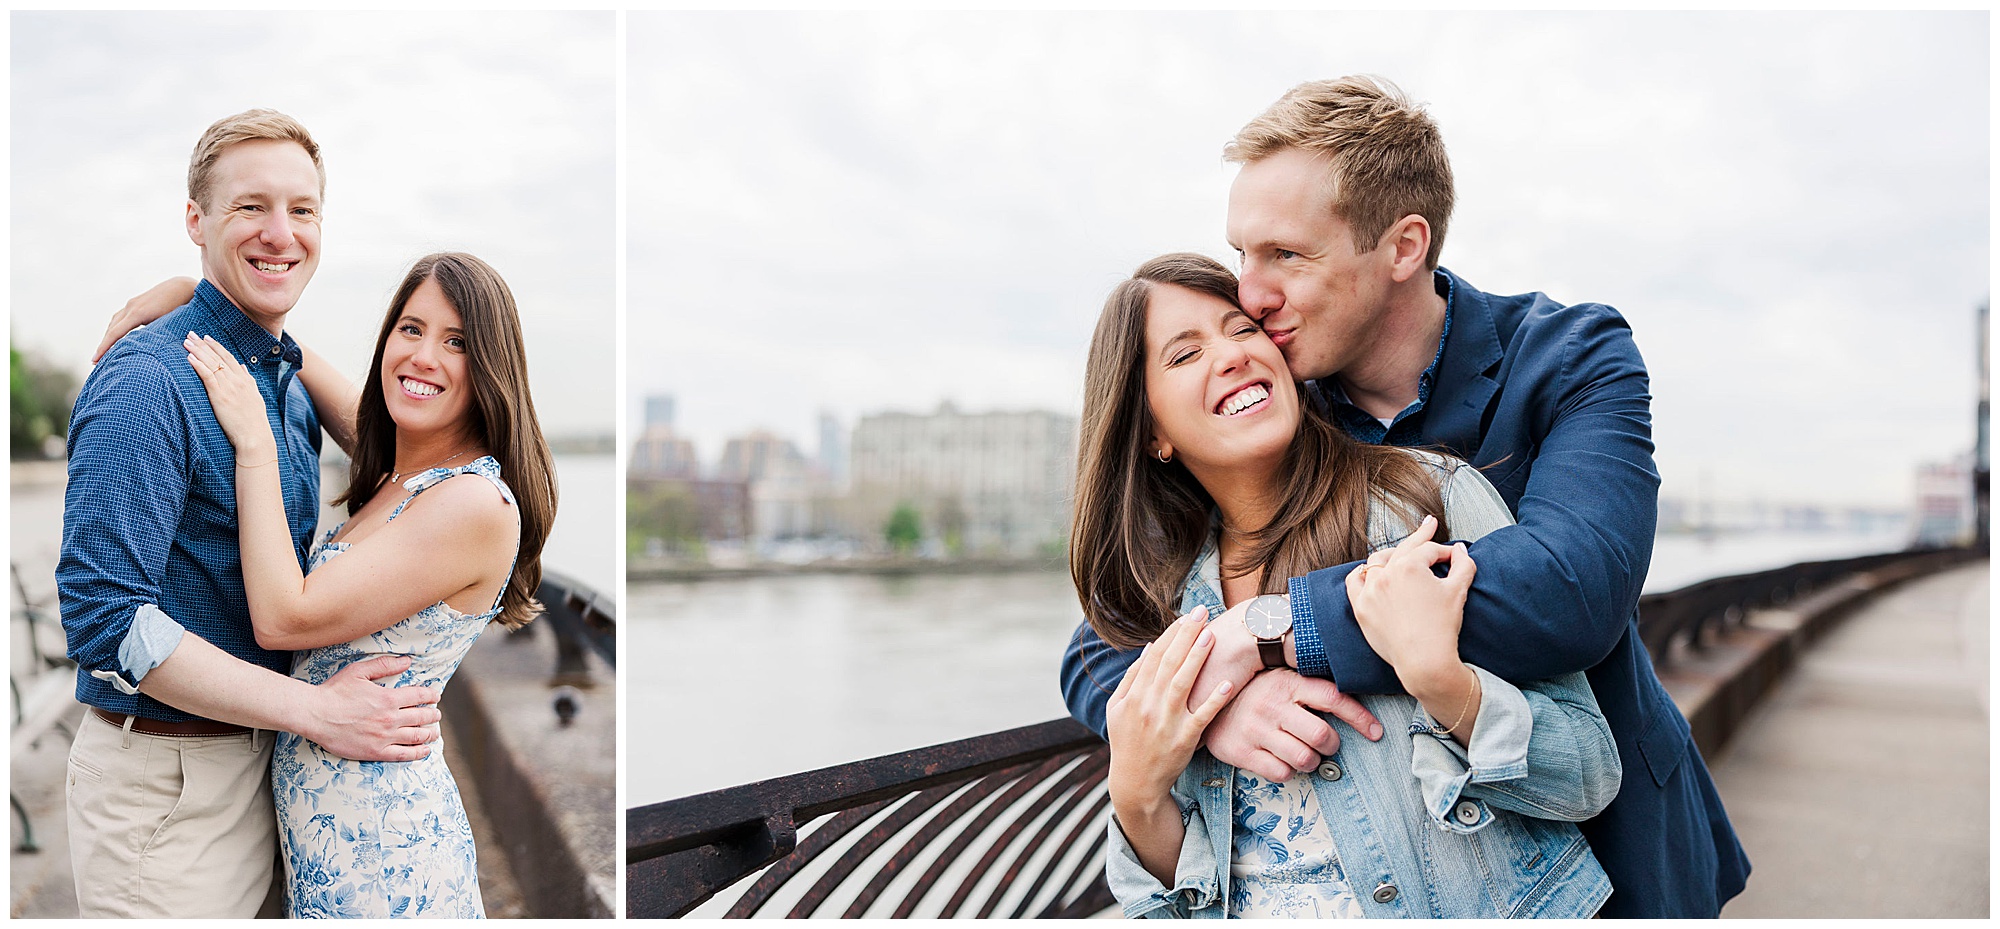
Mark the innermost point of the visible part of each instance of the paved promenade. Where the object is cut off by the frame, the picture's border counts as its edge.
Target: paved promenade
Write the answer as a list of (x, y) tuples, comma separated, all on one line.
[(1860, 786)]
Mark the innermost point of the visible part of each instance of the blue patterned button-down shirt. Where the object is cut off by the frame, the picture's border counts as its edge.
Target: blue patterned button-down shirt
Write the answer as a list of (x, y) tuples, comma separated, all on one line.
[(149, 516), (1406, 429)]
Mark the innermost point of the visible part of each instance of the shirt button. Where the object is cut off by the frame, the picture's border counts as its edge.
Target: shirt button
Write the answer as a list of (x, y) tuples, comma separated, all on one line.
[(274, 349), (1385, 893), (1466, 812), (1329, 771)]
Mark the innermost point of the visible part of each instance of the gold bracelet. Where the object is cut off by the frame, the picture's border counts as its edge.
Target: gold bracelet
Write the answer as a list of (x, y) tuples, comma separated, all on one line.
[(240, 464), (1468, 700)]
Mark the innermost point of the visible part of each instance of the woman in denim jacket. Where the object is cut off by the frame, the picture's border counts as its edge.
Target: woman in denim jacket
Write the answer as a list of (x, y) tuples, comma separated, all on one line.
[(1466, 808)]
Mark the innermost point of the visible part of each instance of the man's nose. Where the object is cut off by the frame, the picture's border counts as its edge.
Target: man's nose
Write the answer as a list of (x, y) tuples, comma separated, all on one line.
[(276, 231), (1258, 298)]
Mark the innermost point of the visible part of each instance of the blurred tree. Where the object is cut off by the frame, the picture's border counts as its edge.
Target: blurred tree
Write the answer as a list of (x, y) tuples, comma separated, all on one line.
[(905, 529), (663, 510), (39, 399)]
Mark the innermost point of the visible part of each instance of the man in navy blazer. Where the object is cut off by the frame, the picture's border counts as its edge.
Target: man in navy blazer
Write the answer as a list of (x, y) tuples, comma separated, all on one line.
[(1339, 213)]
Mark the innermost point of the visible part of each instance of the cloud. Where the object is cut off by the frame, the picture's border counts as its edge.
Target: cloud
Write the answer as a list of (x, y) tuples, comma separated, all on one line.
[(882, 211), (491, 134)]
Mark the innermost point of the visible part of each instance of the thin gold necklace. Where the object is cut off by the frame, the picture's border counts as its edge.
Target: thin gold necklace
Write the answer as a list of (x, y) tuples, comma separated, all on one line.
[(396, 477)]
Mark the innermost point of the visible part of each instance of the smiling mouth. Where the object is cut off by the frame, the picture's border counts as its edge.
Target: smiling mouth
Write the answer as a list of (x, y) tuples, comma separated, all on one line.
[(273, 267), (1242, 401), (417, 388)]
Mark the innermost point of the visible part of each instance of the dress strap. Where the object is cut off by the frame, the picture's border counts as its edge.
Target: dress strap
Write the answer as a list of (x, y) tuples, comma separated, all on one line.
[(485, 466)]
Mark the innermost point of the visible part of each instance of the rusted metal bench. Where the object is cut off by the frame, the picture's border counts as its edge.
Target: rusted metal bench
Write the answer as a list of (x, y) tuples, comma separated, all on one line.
[(1010, 824)]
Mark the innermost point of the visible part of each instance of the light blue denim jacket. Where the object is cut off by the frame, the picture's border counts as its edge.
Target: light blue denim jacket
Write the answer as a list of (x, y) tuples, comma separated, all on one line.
[(1423, 827)]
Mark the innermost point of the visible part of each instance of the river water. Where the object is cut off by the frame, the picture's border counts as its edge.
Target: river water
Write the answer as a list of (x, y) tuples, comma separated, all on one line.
[(739, 680)]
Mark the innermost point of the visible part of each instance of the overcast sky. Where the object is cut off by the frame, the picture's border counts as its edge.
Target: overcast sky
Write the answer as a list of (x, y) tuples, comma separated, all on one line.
[(491, 134), (862, 213)]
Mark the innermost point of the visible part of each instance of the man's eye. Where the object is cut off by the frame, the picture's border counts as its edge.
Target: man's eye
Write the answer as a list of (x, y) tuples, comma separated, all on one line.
[(1286, 254)]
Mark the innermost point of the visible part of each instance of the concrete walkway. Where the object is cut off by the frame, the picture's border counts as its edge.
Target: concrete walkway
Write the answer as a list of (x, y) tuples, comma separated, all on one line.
[(1860, 786), (41, 883)]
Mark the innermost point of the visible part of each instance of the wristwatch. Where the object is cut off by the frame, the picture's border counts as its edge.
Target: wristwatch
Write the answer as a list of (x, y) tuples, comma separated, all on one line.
[(1268, 618)]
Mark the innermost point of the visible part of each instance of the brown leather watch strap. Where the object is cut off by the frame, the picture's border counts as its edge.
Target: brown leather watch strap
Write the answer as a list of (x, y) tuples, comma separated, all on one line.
[(1273, 653)]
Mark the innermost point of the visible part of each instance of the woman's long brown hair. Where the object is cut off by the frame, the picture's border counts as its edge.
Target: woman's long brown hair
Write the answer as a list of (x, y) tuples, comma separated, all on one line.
[(1140, 522), (503, 413)]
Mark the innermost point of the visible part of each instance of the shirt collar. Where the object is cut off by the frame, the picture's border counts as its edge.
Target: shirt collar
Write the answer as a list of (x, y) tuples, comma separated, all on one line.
[(1442, 283), (1354, 417), (251, 343)]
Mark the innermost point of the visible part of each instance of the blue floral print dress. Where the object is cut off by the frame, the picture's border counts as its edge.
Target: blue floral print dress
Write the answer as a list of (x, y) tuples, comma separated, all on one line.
[(374, 839)]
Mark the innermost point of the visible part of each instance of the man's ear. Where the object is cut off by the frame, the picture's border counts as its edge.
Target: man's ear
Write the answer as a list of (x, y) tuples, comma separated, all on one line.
[(1409, 242), (194, 223)]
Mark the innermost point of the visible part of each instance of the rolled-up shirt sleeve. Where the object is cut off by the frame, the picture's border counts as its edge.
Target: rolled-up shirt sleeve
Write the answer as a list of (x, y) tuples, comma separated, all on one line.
[(129, 466)]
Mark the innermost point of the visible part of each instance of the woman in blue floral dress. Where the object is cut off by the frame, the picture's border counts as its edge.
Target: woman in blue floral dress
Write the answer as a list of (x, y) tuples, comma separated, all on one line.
[(450, 497), (1204, 482)]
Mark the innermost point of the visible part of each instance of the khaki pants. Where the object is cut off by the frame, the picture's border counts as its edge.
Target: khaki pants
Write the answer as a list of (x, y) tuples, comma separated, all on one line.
[(170, 826)]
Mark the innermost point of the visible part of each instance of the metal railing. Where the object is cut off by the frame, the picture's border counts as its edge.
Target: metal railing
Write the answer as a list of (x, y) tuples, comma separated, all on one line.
[(1697, 613), (41, 697), (1008, 824), (581, 619), (1014, 823)]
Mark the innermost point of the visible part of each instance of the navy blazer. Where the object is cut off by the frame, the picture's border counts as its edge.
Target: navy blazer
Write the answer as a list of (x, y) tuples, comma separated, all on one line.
[(1552, 402)]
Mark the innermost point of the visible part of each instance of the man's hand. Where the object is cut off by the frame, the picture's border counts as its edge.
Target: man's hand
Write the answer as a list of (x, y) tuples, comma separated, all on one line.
[(1271, 731), (353, 717)]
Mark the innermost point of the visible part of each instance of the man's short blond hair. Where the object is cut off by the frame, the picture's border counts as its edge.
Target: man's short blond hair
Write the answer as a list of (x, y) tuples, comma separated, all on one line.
[(1387, 159), (247, 126)]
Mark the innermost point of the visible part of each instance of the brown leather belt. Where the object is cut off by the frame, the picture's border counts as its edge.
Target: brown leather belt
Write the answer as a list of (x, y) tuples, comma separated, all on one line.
[(162, 727)]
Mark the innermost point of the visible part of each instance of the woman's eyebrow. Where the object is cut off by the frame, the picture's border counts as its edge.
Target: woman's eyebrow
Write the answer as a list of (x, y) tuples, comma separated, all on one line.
[(1176, 339)]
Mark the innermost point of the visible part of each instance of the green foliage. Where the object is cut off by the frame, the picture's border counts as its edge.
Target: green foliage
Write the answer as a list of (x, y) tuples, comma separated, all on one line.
[(39, 398), (905, 529), (663, 510)]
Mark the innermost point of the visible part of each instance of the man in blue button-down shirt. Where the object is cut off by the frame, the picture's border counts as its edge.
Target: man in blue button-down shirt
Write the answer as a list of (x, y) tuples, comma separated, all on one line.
[(169, 794), (1339, 213)]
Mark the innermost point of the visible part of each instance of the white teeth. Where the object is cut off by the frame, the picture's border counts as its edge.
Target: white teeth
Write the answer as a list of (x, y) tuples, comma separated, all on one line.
[(268, 266), (420, 388), (1244, 399)]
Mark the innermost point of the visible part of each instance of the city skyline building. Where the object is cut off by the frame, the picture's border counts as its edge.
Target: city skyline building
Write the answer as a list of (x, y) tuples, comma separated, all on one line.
[(984, 484)]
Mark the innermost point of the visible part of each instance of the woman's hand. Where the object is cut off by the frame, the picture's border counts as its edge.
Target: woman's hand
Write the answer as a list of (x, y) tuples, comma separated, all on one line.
[(1410, 616), (1153, 736), (1153, 733), (163, 298), (239, 407)]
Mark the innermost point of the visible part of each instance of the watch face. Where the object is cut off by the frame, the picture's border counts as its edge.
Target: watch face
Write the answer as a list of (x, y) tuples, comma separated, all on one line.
[(1268, 617)]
